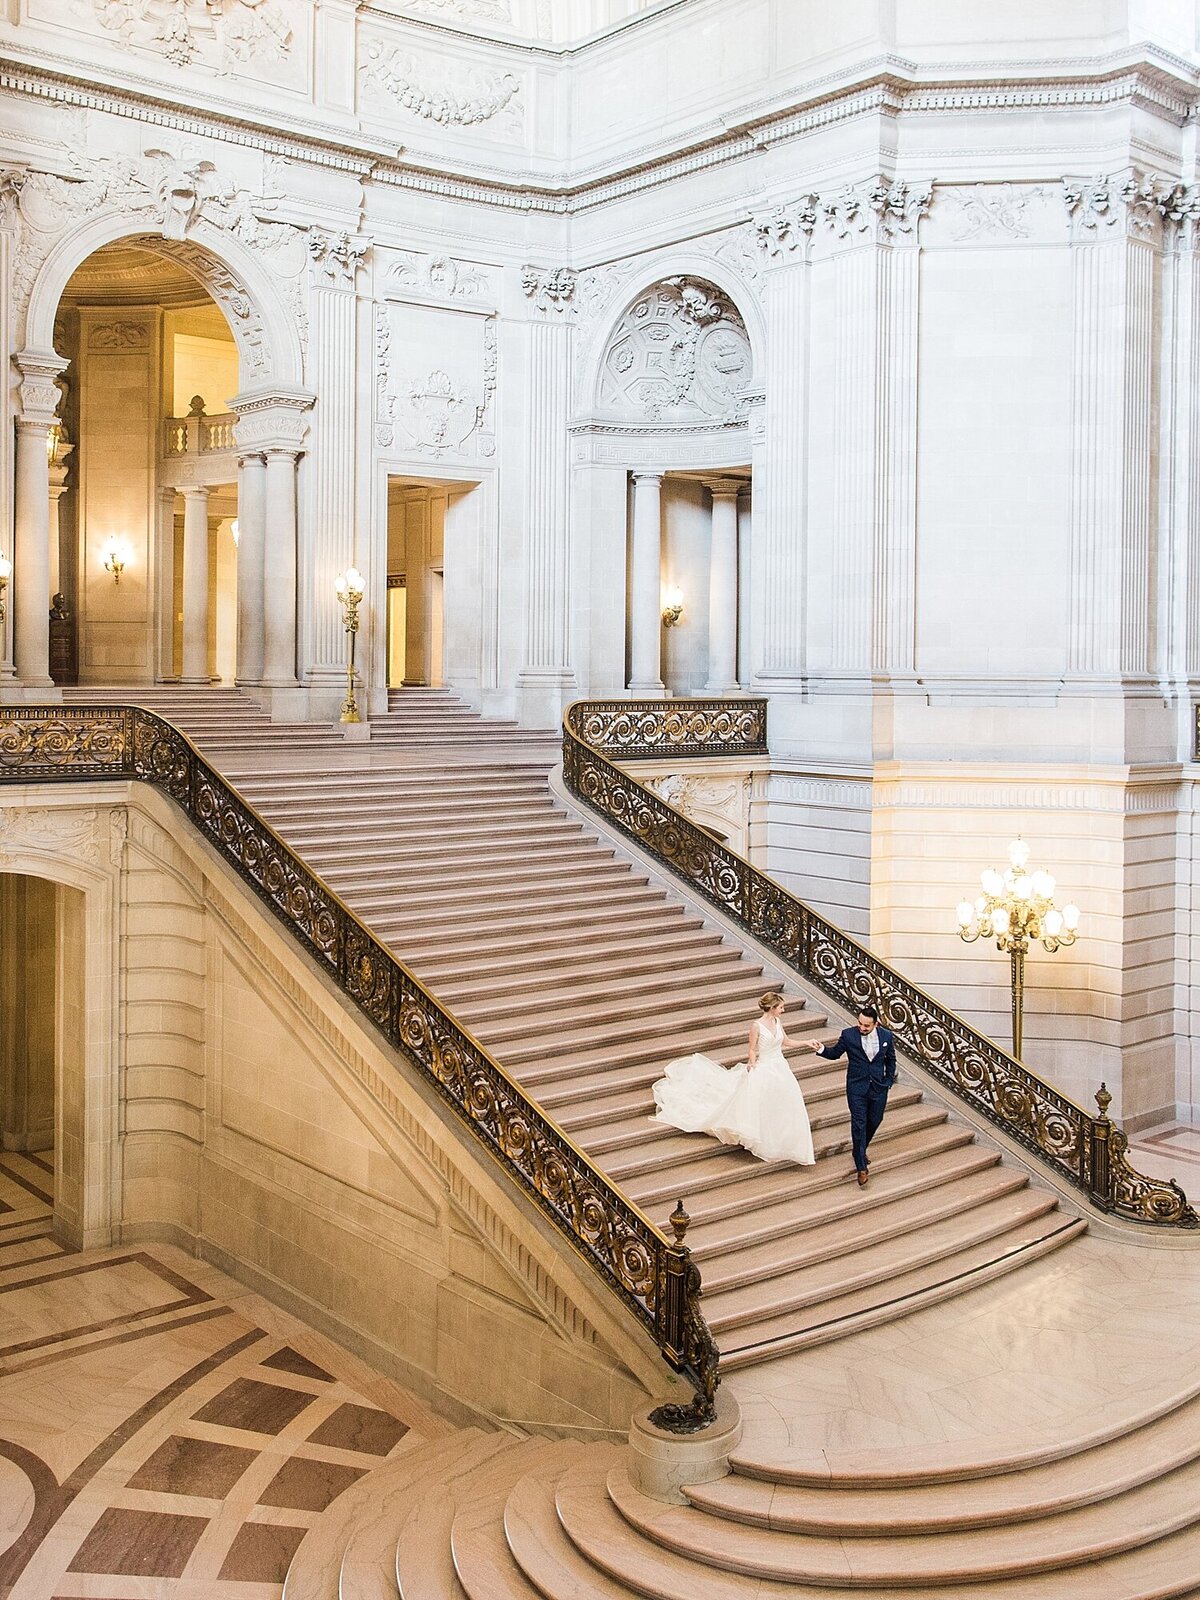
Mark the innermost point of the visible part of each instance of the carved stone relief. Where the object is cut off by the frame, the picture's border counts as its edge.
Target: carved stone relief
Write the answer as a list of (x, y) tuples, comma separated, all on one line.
[(432, 89), (883, 208), (550, 289), (990, 210), (1133, 203), (75, 833), (220, 33), (336, 257), (438, 278), (720, 804), (461, 10), (680, 354), (120, 334), (444, 408)]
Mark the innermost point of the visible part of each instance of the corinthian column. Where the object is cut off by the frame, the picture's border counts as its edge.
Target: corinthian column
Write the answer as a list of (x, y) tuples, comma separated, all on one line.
[(723, 586), (195, 585), (645, 584), (30, 583)]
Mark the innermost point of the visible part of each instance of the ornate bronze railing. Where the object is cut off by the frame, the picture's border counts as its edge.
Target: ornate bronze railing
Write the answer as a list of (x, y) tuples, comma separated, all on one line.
[(653, 1276), (1090, 1152)]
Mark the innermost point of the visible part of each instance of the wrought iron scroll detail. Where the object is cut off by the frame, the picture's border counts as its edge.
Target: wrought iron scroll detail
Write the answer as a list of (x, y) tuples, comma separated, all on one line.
[(1090, 1152), (631, 1255)]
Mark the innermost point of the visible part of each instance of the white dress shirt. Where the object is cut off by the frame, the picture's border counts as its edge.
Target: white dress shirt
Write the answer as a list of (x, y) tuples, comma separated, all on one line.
[(870, 1044)]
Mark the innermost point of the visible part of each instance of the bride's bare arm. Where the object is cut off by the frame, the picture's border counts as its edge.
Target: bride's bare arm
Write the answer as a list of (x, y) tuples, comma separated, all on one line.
[(752, 1047)]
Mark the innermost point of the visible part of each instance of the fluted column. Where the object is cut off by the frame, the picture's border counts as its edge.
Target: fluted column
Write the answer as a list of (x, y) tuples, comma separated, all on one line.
[(30, 584), (195, 585), (547, 672), (1116, 235), (645, 583), (251, 595), (723, 586), (57, 474), (279, 646)]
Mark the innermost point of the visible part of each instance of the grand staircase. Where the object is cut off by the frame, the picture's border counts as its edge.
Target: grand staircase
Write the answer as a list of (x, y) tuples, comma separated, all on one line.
[(1111, 1516), (584, 976)]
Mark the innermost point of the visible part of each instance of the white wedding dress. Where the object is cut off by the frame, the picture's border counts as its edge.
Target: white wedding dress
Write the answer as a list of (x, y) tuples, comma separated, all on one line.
[(762, 1110)]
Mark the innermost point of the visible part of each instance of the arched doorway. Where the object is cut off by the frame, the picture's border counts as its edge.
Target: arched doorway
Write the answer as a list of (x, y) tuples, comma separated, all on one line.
[(42, 1048), (143, 512)]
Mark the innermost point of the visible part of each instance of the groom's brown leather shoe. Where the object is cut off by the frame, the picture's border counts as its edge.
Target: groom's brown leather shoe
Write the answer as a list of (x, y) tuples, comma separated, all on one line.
[(862, 1179)]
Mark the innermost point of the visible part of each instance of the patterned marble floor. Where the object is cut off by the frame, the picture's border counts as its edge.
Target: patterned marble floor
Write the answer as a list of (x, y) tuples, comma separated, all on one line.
[(164, 1434), (1170, 1152)]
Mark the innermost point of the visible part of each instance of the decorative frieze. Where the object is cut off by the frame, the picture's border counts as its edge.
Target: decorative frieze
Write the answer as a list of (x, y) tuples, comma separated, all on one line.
[(987, 210), (461, 10), (438, 278), (121, 334), (49, 831)]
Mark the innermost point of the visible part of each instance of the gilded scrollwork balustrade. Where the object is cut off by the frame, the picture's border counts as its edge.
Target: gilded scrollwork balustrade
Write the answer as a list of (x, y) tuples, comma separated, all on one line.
[(1089, 1151), (652, 1276)]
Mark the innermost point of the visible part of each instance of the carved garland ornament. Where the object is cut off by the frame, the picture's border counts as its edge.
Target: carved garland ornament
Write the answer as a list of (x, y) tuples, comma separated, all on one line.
[(436, 92), (223, 31)]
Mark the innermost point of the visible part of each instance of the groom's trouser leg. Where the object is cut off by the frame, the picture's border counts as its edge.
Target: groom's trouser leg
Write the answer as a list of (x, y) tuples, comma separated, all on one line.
[(857, 1101), (876, 1106)]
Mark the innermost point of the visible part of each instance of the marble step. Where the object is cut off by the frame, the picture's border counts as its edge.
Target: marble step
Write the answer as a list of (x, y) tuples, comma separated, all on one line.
[(518, 970), (435, 945), (552, 1566), (1082, 1477), (897, 1293), (1065, 1538), (654, 974), (313, 1573), (810, 1286), (400, 858), (810, 1072), (721, 1010), (424, 1551), (493, 888), (699, 1032), (705, 1163)]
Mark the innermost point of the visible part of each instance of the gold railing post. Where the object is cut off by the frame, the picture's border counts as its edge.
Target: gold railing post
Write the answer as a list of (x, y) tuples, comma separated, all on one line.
[(1100, 1154)]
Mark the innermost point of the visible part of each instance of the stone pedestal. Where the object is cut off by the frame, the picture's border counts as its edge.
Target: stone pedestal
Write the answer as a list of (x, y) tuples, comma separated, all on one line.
[(661, 1463)]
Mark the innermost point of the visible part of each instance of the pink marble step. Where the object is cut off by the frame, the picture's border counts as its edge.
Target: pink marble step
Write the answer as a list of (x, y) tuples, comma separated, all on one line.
[(315, 1567), (511, 969), (422, 1564), (711, 962), (1084, 1477), (1064, 1539), (945, 1276)]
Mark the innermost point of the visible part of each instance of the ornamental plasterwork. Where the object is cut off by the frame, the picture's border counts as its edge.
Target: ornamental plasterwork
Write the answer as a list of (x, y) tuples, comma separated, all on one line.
[(121, 334), (680, 355), (719, 804), (437, 278), (550, 289), (433, 89), (220, 33), (436, 413), (989, 210), (336, 257), (73, 833), (1133, 203), (461, 10), (787, 228), (883, 208)]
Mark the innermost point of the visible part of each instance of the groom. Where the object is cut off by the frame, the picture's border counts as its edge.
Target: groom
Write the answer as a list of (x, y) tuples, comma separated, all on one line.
[(870, 1072)]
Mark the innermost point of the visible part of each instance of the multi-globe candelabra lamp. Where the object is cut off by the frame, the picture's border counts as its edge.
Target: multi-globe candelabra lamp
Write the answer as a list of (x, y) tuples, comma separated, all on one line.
[(349, 587), (1017, 909)]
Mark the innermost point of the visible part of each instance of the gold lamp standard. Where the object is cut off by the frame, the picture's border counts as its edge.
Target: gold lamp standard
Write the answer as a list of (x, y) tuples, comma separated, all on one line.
[(349, 587), (1017, 909)]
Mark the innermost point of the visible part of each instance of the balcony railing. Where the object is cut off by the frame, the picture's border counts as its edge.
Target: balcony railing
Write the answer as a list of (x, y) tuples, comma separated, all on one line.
[(199, 435)]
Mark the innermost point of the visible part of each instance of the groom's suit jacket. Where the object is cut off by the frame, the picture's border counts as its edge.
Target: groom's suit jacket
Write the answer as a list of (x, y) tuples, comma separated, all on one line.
[(861, 1072)]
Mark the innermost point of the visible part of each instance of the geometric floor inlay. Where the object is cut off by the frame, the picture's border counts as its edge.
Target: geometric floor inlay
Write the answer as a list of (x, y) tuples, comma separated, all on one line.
[(162, 1432)]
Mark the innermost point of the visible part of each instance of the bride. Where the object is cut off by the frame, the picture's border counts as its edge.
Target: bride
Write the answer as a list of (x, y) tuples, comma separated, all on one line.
[(757, 1104)]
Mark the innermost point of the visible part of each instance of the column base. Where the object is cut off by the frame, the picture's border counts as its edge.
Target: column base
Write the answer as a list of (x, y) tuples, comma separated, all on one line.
[(543, 694), (661, 1462), (726, 690), (648, 689)]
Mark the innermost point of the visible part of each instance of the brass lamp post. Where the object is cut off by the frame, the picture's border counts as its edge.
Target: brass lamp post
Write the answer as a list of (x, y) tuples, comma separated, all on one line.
[(1017, 909), (349, 587)]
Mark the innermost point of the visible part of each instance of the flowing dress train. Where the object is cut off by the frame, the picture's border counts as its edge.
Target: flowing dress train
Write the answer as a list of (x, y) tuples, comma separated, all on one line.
[(761, 1109)]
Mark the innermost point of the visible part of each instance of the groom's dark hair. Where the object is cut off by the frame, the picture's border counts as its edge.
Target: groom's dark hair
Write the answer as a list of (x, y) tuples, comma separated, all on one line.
[(869, 1011)]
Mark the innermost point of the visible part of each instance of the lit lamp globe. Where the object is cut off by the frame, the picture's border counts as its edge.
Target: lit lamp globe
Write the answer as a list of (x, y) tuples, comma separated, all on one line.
[(1054, 923), (5, 569), (1070, 916), (1018, 854), (965, 913), (992, 882), (1043, 886)]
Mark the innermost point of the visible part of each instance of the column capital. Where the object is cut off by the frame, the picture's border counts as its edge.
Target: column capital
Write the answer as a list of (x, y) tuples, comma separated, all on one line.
[(647, 477), (724, 488), (38, 390), (193, 491)]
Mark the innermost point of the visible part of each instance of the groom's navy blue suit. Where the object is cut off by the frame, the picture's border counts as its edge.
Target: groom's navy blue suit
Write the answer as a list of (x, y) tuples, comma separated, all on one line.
[(867, 1085)]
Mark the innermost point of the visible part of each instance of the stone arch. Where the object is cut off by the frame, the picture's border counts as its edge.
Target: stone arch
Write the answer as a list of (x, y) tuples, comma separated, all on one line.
[(267, 336), (713, 305)]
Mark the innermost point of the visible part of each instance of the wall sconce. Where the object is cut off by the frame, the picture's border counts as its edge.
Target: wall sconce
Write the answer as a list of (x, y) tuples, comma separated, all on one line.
[(114, 559), (53, 437), (235, 531), (672, 606), (5, 575)]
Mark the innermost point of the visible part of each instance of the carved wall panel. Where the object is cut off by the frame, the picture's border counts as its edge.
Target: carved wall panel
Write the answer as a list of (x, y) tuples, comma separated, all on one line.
[(680, 354), (438, 279), (435, 381), (262, 39)]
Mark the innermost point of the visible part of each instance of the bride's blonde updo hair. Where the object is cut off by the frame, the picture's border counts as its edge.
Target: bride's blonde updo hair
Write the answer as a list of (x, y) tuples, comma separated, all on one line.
[(768, 1001)]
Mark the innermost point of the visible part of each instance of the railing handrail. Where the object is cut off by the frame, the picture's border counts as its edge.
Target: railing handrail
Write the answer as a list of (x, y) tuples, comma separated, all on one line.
[(1089, 1151), (652, 1275)]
